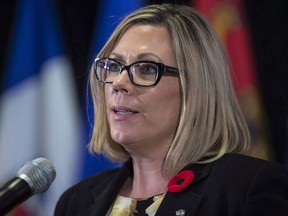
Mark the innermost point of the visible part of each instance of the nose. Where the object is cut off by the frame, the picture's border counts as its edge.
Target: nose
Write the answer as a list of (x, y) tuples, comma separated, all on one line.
[(122, 83)]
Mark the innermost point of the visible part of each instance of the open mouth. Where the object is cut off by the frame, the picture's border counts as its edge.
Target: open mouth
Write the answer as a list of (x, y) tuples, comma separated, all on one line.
[(124, 111)]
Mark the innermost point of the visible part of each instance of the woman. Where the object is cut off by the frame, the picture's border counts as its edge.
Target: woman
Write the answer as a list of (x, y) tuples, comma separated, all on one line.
[(164, 103)]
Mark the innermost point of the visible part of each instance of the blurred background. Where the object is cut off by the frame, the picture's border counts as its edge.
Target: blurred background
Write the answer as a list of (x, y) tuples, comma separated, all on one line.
[(48, 46)]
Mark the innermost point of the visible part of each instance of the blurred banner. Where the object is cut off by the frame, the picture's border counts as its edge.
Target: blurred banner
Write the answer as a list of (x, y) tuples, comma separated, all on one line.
[(38, 111), (108, 15), (229, 20)]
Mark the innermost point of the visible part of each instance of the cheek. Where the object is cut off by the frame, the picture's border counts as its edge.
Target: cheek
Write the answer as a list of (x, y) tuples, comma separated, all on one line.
[(107, 93), (165, 101), (169, 108)]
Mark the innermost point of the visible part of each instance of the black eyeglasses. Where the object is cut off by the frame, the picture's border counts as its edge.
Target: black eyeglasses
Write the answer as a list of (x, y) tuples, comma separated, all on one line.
[(141, 73)]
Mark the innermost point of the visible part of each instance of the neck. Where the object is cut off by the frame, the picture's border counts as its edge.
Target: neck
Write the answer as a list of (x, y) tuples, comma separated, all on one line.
[(148, 179)]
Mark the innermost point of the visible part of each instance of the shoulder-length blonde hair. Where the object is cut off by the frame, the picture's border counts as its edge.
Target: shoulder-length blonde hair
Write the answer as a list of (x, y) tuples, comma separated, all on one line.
[(211, 123)]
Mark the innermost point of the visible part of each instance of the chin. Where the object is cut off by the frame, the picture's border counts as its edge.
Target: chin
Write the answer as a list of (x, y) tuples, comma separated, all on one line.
[(123, 139)]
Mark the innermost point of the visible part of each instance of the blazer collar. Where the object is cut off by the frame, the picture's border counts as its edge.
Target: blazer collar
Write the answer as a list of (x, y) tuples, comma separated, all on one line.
[(187, 200)]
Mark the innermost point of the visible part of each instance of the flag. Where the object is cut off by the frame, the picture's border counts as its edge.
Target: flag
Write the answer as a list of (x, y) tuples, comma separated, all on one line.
[(39, 114), (229, 20), (108, 15)]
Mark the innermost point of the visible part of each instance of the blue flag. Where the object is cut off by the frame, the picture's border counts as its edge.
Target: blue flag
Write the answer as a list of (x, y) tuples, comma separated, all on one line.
[(38, 109)]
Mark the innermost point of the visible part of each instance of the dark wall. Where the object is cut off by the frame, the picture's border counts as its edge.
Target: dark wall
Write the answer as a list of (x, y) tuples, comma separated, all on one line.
[(269, 26)]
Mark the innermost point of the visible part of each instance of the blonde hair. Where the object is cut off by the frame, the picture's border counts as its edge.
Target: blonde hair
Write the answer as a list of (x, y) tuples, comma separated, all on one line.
[(211, 123)]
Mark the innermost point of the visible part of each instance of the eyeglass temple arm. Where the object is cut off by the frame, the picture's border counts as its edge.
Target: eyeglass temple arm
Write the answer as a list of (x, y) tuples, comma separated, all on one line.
[(171, 70)]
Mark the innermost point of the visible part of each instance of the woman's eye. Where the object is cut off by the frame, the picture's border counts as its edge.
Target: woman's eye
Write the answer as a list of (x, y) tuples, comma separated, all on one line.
[(114, 67), (101, 64), (148, 69)]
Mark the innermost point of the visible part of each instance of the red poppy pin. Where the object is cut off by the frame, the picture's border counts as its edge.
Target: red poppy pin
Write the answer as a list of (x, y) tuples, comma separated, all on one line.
[(180, 181)]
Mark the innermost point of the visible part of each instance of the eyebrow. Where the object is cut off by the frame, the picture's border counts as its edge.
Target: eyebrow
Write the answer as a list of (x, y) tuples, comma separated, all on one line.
[(117, 55), (139, 57)]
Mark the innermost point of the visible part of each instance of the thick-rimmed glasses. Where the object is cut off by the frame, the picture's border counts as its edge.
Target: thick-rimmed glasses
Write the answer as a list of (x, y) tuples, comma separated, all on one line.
[(141, 73)]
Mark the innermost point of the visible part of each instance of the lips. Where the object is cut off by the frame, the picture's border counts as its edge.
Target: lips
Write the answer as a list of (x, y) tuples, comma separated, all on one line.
[(120, 110)]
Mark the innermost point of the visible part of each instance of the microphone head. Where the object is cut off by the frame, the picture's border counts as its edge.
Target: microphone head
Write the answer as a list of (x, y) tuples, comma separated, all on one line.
[(39, 174)]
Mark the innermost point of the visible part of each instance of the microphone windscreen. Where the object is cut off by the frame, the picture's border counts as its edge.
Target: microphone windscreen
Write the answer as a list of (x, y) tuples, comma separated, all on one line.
[(39, 174)]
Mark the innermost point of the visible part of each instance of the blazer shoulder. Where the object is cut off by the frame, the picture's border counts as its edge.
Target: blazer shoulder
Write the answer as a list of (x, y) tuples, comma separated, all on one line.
[(88, 183), (79, 197), (248, 185), (245, 168), (232, 161)]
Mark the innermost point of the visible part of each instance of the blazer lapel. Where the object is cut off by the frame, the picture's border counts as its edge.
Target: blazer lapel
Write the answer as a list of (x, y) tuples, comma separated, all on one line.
[(105, 192), (187, 201)]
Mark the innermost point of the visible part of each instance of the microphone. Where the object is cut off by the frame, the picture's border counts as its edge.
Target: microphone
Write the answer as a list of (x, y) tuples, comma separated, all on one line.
[(33, 177)]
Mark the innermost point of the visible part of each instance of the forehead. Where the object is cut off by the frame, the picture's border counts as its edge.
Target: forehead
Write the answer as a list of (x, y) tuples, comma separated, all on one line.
[(140, 39)]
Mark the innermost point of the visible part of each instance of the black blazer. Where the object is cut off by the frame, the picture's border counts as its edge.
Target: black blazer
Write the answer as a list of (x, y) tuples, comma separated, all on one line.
[(233, 185)]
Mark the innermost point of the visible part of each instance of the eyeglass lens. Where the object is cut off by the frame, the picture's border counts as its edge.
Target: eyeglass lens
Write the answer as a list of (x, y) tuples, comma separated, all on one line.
[(140, 73)]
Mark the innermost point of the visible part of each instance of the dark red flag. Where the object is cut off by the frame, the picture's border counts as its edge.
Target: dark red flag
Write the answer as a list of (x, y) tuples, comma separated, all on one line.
[(228, 19)]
